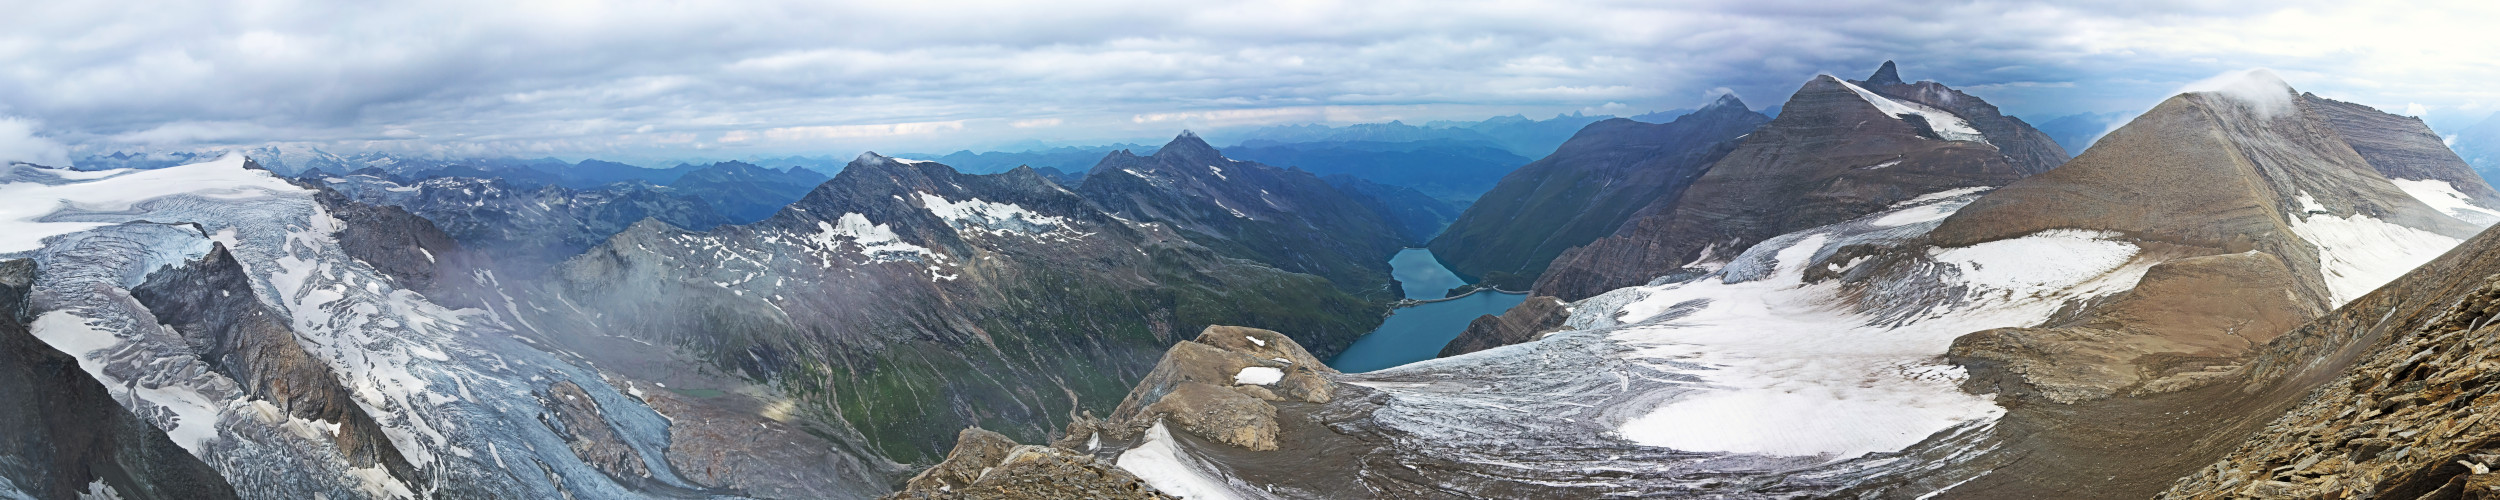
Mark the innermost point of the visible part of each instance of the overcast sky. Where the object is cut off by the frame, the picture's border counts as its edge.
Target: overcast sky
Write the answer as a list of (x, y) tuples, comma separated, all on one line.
[(648, 80)]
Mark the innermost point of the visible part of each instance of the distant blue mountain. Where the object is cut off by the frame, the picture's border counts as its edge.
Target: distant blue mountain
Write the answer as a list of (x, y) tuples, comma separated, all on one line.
[(2077, 132)]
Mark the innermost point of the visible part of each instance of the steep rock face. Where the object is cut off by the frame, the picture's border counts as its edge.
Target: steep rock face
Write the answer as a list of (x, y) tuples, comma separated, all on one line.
[(1286, 218), (1519, 324), (67, 435), (1585, 190), (744, 192), (906, 300), (2408, 153), (1838, 150), (522, 231)]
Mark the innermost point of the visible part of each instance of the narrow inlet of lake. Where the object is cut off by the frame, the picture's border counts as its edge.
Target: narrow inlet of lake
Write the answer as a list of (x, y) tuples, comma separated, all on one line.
[(1418, 332)]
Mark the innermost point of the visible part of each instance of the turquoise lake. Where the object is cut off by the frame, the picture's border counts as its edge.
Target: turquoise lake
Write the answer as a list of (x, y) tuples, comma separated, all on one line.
[(1417, 333)]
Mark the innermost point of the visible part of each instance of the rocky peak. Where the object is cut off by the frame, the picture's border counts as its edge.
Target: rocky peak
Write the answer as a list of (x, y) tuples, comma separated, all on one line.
[(1219, 385), (1190, 148), (1886, 75)]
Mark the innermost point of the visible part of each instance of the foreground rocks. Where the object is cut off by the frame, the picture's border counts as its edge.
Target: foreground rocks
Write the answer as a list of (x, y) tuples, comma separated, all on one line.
[(1219, 385), (2413, 421), (987, 465), (1521, 323)]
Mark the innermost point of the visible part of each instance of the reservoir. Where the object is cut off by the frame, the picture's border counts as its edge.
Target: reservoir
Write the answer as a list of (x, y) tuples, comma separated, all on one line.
[(1418, 332)]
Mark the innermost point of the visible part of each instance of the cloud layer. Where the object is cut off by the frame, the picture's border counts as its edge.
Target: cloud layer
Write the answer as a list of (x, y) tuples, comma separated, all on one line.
[(629, 78)]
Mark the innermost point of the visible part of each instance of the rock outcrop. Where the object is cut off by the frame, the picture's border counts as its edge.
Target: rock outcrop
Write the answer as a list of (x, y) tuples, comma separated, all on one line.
[(1521, 323), (1585, 190), (988, 465), (577, 419), (1219, 386)]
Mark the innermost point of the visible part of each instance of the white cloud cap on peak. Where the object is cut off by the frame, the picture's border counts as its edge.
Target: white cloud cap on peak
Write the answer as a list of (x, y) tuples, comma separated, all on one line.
[(2259, 88)]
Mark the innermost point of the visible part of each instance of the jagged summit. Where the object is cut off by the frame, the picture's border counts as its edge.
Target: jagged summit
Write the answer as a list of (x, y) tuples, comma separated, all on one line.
[(1886, 75)]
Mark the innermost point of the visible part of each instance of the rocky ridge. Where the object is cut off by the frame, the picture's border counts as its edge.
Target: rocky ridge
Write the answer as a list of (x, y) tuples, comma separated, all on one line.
[(1839, 150), (1600, 178)]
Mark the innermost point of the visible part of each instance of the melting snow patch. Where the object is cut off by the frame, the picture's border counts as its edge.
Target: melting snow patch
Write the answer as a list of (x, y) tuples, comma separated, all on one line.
[(975, 214), (2445, 197), (2041, 262), (1162, 463), (1255, 340), (2358, 252), (877, 241), (1258, 375), (1946, 125)]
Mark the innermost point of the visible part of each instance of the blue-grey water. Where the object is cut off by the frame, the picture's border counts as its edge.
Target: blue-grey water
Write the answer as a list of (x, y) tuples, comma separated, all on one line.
[(1417, 333)]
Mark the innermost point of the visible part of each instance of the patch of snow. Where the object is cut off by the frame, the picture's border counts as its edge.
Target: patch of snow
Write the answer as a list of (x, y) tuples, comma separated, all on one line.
[(1880, 166), (1913, 215), (99, 491), (1219, 172), (1160, 461), (2041, 262), (976, 214), (876, 241), (2309, 204), (2357, 253), (1255, 340), (2445, 197), (908, 161), (1946, 124), (1258, 375)]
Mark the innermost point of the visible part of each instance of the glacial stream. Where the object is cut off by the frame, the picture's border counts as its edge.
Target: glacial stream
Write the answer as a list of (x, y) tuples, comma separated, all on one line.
[(1418, 332)]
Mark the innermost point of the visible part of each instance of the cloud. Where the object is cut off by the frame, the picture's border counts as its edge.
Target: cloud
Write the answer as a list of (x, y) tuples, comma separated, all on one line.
[(18, 143), (610, 76)]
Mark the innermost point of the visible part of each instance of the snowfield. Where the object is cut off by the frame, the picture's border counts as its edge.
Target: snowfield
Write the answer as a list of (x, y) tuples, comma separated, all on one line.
[(37, 195), (1946, 124), (2445, 197), (2359, 252)]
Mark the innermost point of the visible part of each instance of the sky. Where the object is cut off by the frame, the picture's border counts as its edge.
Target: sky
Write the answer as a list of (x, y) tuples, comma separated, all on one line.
[(648, 80)]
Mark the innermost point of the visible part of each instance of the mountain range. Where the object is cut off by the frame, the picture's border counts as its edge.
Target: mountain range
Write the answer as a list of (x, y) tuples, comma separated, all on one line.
[(1882, 289)]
